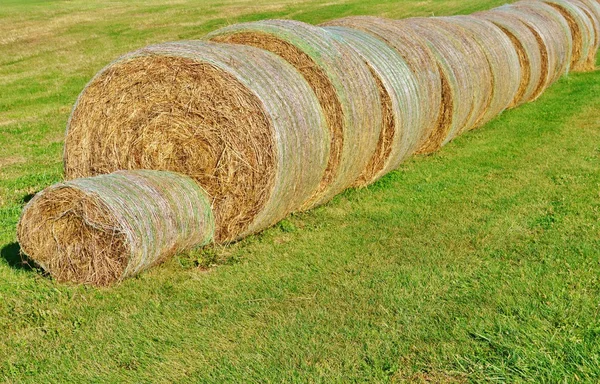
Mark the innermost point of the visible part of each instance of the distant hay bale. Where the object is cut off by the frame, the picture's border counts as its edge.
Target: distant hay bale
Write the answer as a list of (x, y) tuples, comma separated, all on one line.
[(592, 10), (240, 121), (103, 229), (343, 84), (464, 64), (502, 58), (434, 100), (533, 66), (399, 94), (583, 56)]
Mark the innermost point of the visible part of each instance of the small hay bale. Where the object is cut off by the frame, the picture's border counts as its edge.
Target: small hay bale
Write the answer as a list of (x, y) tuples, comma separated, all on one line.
[(465, 66), (239, 120), (502, 58), (343, 84), (533, 66), (583, 56), (103, 229), (400, 131), (434, 114)]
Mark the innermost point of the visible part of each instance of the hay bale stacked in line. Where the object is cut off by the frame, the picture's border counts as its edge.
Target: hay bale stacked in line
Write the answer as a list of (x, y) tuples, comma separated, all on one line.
[(534, 65), (400, 131), (103, 229), (341, 80), (592, 10), (432, 94), (239, 120)]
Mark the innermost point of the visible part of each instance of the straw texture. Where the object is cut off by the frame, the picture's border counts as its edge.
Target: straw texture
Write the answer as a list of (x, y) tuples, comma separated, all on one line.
[(240, 121), (103, 229), (343, 83), (592, 10)]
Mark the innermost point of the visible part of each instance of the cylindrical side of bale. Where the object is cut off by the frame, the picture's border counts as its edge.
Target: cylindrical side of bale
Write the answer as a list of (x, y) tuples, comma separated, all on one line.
[(533, 66), (398, 85), (582, 32), (592, 10), (103, 229), (465, 66), (341, 80), (239, 120), (502, 58), (434, 115)]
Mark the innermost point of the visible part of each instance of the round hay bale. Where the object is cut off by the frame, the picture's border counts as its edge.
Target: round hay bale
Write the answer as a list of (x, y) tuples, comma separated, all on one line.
[(502, 58), (592, 10), (343, 84), (239, 120), (534, 67), (583, 55), (397, 84), (103, 229), (435, 104), (465, 66)]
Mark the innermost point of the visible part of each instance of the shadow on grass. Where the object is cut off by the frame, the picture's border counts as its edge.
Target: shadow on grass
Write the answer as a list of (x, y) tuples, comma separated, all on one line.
[(13, 256)]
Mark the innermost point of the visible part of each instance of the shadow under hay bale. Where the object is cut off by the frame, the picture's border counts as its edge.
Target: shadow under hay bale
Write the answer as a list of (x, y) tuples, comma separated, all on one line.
[(434, 101), (239, 120), (103, 229), (343, 83)]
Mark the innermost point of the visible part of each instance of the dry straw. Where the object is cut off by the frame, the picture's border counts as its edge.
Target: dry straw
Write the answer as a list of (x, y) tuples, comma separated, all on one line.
[(434, 101), (240, 121), (103, 229), (503, 61), (534, 67), (399, 94), (342, 82), (592, 10)]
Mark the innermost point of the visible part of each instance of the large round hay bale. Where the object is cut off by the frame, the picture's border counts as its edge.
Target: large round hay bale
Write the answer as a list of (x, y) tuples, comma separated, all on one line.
[(583, 55), (502, 58), (239, 120), (103, 229), (399, 96), (464, 64), (435, 104), (534, 67), (343, 84), (592, 10)]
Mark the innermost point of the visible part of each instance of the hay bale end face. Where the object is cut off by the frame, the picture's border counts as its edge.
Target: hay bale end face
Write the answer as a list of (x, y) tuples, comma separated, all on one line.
[(239, 120), (342, 82), (103, 229)]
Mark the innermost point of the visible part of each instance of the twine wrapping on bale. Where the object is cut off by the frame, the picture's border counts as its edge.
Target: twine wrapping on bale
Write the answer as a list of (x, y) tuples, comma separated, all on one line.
[(583, 57), (592, 10), (533, 65), (239, 120), (465, 66), (343, 83), (103, 229), (400, 131), (433, 97), (502, 58)]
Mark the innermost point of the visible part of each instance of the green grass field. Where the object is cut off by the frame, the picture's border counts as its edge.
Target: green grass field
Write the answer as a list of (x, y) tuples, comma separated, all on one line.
[(476, 264)]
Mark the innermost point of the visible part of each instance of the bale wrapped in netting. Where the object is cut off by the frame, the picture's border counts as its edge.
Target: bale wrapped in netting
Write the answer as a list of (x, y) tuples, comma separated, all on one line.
[(583, 55), (239, 120), (464, 65), (435, 102), (502, 58), (102, 229), (398, 87), (592, 10), (341, 80), (553, 40), (534, 66)]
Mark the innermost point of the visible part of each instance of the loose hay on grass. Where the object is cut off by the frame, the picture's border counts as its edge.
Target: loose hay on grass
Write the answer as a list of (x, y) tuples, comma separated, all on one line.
[(239, 120), (103, 229)]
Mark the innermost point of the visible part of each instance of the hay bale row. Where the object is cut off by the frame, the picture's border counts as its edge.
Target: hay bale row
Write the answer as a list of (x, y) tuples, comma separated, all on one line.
[(277, 116), (103, 229)]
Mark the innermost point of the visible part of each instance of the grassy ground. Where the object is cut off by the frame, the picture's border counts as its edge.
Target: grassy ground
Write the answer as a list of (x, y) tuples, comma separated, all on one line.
[(478, 263)]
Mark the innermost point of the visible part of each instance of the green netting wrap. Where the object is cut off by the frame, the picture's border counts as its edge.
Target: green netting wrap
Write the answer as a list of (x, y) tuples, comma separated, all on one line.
[(103, 229), (343, 83), (239, 120), (400, 132), (434, 99), (534, 66)]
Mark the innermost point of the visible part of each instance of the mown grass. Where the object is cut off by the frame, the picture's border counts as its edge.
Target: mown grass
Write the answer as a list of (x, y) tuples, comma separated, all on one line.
[(478, 263)]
